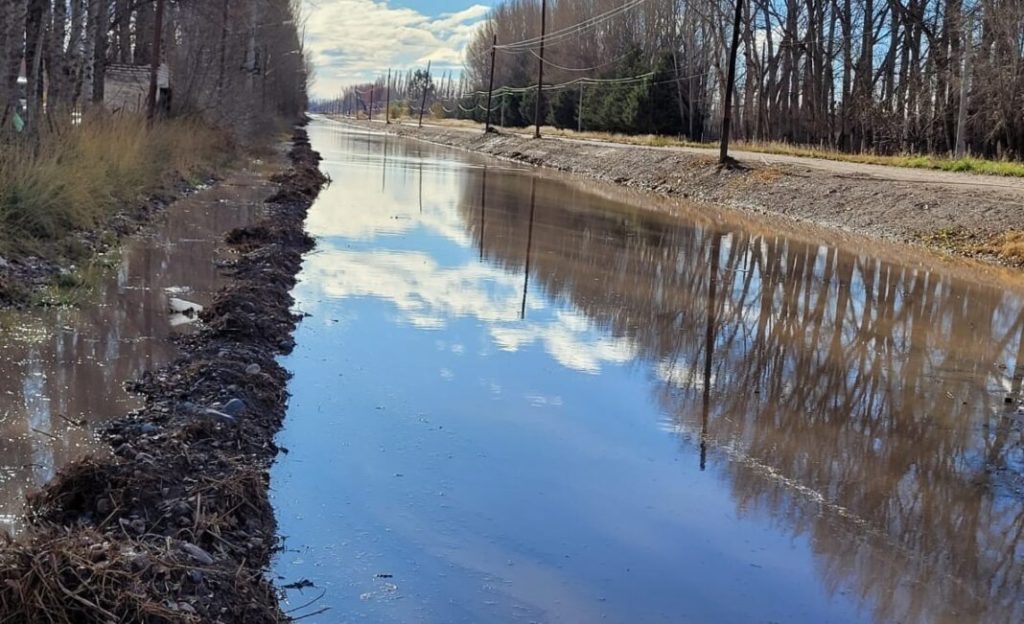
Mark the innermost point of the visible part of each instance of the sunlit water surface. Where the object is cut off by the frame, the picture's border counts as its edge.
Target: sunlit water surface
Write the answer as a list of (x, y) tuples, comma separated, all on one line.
[(516, 400)]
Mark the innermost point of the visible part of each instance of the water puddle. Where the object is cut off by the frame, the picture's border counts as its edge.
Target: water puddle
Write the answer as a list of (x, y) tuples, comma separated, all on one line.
[(516, 400), (62, 369)]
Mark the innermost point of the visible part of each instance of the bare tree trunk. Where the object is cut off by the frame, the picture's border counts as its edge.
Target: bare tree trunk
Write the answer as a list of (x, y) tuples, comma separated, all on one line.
[(35, 34), (965, 78), (100, 40), (12, 54)]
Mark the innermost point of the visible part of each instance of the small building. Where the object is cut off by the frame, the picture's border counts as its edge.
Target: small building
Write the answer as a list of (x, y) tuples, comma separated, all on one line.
[(126, 88)]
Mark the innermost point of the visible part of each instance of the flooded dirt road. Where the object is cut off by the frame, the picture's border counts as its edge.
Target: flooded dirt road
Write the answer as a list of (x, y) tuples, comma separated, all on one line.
[(62, 369), (517, 400)]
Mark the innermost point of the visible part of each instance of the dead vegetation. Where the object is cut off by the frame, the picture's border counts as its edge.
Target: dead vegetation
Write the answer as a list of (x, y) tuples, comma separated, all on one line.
[(175, 524), (70, 192), (1007, 246)]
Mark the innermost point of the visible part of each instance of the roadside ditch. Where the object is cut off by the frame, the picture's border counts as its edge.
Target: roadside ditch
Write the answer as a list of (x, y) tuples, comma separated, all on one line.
[(175, 524)]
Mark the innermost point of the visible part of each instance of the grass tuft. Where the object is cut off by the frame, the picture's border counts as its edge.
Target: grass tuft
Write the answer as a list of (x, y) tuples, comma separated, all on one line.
[(77, 177)]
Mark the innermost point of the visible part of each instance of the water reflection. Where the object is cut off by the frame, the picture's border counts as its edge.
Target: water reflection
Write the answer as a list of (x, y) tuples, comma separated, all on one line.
[(859, 402), (63, 368), (841, 416)]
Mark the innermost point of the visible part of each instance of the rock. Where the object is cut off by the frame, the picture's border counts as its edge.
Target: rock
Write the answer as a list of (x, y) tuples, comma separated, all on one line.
[(148, 429), (253, 369), (103, 506), (197, 553), (140, 563), (234, 407)]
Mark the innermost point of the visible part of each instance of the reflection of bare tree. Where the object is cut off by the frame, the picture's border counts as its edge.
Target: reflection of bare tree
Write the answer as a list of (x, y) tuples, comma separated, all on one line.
[(860, 402), (65, 364)]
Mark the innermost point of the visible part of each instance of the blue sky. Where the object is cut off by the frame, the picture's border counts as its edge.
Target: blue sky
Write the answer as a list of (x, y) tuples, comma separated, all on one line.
[(354, 40)]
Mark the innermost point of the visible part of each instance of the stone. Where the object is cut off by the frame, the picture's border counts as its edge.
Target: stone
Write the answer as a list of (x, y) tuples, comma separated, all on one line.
[(103, 506), (234, 407), (253, 369), (197, 553)]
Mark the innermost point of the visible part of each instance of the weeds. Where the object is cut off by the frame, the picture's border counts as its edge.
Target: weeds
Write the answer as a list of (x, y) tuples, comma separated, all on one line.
[(75, 178)]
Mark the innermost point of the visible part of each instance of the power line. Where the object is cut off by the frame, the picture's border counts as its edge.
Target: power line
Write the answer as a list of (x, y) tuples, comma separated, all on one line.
[(578, 69), (568, 31)]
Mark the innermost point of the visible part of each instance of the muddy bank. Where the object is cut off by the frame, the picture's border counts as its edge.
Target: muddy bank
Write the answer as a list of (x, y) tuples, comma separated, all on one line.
[(966, 219), (175, 525)]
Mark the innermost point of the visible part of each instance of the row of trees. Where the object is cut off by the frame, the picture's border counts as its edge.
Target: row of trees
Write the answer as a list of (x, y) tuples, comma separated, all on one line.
[(234, 61), (858, 75)]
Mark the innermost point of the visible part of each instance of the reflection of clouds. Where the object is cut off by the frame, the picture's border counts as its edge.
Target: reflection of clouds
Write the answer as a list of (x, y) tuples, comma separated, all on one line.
[(428, 295), (570, 338), (361, 212)]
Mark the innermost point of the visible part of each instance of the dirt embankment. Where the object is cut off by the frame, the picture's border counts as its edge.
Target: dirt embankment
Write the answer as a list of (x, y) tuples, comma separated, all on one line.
[(175, 524), (964, 214)]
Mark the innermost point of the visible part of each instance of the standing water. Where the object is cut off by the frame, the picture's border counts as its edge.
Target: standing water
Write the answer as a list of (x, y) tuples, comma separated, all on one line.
[(62, 369), (517, 400)]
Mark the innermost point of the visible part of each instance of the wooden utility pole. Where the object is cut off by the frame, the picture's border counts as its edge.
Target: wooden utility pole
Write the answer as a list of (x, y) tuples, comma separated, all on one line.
[(540, 66), (490, 87), (387, 103), (723, 156), (426, 85), (579, 115), (154, 66), (370, 113)]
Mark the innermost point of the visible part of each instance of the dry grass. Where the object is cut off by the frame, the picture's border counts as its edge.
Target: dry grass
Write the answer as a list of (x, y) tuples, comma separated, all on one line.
[(75, 178), (914, 161), (1008, 246)]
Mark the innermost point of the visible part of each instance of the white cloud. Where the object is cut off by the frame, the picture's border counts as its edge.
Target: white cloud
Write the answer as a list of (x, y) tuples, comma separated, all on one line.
[(355, 40)]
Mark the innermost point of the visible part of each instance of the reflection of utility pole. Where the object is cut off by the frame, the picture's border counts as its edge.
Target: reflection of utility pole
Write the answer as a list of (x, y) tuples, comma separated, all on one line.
[(421, 185), (483, 212), (384, 169), (529, 245), (709, 346)]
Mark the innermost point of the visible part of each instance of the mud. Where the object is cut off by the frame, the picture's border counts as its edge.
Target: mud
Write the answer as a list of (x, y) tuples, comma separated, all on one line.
[(956, 215), (175, 525)]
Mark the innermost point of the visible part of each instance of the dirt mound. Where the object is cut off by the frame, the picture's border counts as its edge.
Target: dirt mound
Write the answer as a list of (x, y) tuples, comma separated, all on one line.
[(175, 525)]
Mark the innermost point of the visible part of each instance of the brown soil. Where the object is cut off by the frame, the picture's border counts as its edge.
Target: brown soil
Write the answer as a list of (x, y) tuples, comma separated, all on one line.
[(176, 525), (962, 214)]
